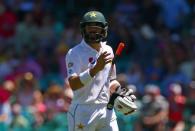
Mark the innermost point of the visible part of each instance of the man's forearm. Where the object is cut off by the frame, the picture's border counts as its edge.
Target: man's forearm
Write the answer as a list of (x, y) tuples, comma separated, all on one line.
[(93, 71), (157, 118), (75, 82), (79, 81), (160, 116), (113, 86)]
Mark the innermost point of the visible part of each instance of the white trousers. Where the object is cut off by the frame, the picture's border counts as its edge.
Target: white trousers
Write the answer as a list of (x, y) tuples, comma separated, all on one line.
[(91, 117)]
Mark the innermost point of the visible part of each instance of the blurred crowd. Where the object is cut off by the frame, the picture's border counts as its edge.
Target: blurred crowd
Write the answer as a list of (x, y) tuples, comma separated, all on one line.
[(158, 61)]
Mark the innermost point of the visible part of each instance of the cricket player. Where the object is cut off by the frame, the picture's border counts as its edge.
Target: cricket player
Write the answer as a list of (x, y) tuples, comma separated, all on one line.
[(91, 75)]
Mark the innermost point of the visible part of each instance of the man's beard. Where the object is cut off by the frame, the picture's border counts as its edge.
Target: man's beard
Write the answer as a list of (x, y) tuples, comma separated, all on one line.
[(93, 38)]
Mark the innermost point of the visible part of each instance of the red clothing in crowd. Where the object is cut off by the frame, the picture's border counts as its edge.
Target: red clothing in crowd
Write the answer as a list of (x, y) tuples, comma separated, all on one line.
[(7, 24), (176, 108), (4, 95)]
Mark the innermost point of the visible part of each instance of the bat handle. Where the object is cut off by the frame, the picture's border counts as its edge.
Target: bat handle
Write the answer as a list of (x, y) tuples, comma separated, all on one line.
[(120, 48), (110, 104)]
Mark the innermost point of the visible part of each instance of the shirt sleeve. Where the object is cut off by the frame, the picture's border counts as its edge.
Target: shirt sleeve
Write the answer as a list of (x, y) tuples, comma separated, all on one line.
[(72, 64)]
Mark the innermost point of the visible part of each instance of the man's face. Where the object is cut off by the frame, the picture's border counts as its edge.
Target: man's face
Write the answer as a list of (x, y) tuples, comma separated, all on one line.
[(94, 31)]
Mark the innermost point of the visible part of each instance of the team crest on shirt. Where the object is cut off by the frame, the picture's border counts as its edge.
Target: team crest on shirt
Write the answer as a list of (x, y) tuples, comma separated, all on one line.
[(80, 126), (92, 61)]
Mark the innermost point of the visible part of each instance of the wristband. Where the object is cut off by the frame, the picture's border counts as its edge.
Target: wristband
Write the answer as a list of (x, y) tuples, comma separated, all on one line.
[(85, 77)]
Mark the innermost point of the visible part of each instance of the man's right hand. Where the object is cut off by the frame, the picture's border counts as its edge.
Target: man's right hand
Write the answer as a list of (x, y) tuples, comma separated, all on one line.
[(101, 62)]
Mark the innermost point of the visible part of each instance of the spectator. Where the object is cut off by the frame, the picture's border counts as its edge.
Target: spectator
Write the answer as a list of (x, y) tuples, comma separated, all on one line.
[(45, 34), (189, 113), (53, 99), (154, 110), (19, 122), (38, 108), (25, 90), (26, 33), (8, 21), (173, 76), (5, 106), (176, 107)]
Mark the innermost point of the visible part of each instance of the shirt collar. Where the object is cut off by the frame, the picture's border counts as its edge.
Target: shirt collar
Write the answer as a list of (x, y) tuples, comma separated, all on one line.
[(90, 48)]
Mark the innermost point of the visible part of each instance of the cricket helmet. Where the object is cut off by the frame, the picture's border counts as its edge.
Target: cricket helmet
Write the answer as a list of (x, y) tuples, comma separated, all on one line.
[(94, 19)]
